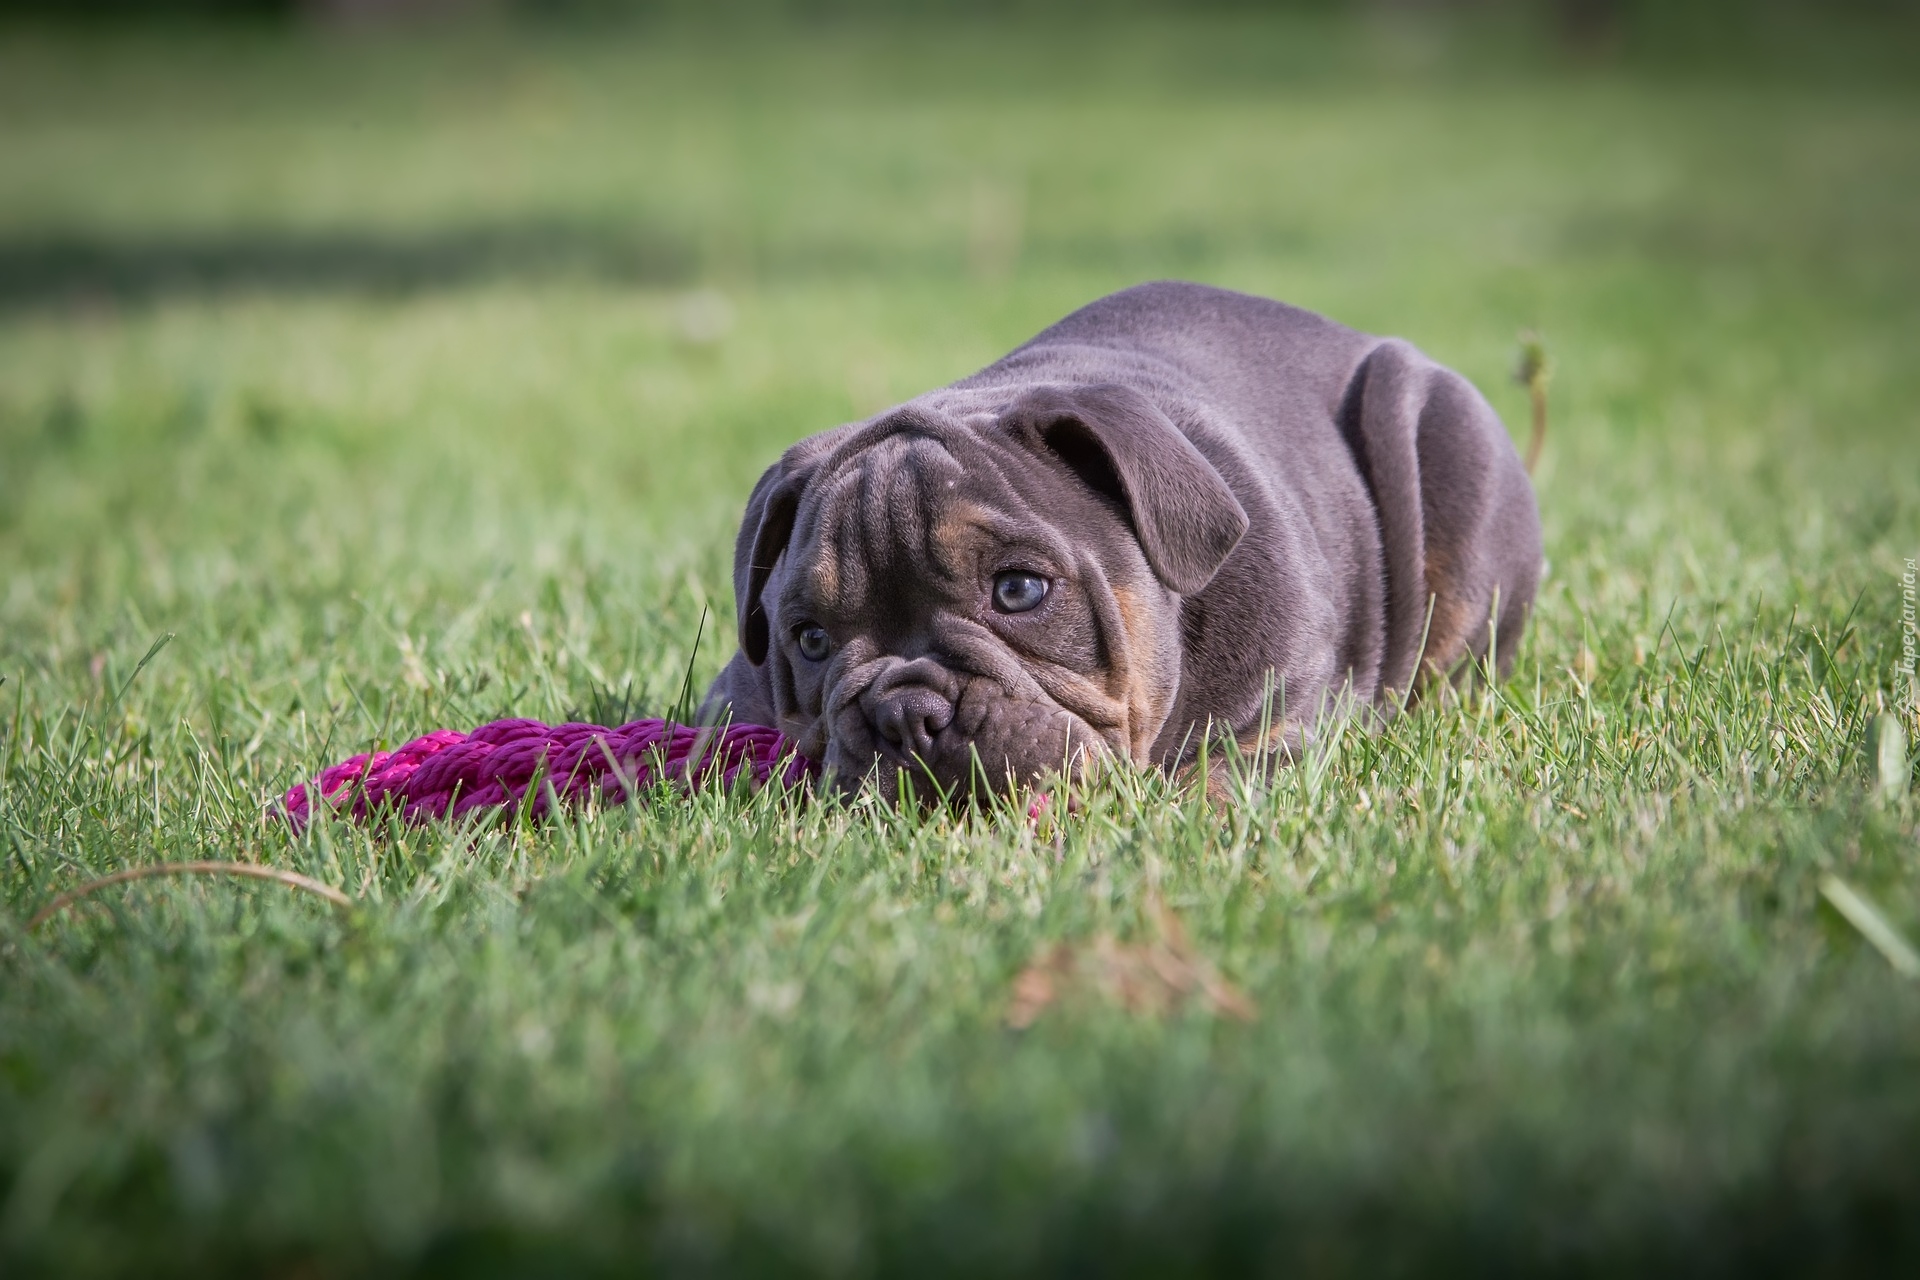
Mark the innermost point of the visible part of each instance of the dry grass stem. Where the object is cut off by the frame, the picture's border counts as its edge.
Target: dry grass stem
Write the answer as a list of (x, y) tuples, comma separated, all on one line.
[(249, 870)]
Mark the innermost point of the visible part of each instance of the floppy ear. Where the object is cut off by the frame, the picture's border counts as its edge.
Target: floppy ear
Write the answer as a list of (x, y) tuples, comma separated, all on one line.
[(767, 526), (1459, 527), (1121, 445), (764, 531)]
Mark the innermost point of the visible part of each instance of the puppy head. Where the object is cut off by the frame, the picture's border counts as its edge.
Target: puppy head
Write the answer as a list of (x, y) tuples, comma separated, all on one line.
[(977, 601)]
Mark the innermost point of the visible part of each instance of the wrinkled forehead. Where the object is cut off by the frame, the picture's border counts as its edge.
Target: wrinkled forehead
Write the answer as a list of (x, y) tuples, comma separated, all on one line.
[(909, 509)]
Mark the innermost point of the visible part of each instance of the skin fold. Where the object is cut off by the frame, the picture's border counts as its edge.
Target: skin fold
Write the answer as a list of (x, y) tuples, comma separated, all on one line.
[(1180, 511)]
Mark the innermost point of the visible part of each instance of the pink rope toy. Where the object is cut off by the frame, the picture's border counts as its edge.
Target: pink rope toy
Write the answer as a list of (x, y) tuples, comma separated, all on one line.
[(447, 774)]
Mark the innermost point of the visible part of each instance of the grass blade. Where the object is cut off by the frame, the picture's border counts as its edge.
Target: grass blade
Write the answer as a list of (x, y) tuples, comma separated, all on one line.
[(1873, 926)]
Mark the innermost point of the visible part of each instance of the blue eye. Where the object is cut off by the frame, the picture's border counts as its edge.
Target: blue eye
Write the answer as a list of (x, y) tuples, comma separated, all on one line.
[(814, 643), (1017, 591)]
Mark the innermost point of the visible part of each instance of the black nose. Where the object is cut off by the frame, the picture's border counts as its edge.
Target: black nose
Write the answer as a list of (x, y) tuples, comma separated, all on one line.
[(909, 716)]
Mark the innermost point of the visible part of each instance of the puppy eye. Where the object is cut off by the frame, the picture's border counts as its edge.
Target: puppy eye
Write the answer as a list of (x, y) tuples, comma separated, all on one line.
[(1017, 591), (813, 641)]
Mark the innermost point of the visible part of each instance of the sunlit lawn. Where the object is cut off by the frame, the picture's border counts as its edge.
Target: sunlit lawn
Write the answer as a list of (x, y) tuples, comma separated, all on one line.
[(410, 382)]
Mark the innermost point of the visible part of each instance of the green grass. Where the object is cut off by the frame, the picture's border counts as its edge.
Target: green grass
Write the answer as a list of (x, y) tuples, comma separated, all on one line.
[(379, 374)]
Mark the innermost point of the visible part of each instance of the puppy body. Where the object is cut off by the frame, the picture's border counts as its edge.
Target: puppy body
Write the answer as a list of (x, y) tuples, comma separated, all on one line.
[(1222, 496)]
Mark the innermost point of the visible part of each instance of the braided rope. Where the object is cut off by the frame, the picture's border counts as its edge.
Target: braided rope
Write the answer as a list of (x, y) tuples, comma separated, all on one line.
[(447, 774)]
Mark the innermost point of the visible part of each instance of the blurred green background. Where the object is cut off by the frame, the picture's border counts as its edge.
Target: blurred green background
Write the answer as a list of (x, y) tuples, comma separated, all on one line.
[(343, 287), (409, 367)]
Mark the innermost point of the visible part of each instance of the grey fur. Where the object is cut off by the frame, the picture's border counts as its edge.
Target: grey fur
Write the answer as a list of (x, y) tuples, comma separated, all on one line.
[(1224, 490)]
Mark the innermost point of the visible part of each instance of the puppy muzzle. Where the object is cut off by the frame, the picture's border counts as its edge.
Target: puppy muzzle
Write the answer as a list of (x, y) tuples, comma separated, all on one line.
[(947, 733), (907, 719)]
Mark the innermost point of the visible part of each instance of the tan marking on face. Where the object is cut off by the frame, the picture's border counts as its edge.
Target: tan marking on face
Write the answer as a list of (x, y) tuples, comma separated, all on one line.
[(1135, 667), (1448, 627), (961, 523), (823, 577)]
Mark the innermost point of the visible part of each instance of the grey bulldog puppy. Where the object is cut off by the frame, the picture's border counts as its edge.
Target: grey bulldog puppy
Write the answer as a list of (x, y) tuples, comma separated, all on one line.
[(1178, 511)]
